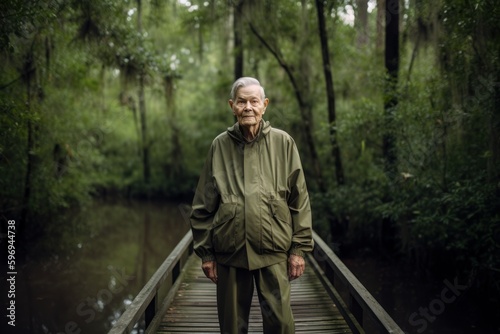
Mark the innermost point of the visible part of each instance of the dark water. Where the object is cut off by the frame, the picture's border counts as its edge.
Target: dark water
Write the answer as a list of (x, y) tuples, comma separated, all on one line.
[(87, 268), (423, 304)]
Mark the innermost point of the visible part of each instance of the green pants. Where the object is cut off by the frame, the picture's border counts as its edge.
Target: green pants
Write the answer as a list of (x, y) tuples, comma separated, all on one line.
[(235, 288)]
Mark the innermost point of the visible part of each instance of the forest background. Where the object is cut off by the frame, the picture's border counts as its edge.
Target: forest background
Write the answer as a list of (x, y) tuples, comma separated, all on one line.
[(394, 105)]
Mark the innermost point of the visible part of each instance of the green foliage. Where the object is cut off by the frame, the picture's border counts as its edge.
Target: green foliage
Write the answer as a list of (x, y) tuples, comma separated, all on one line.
[(12, 162), (443, 205), (455, 229), (84, 60)]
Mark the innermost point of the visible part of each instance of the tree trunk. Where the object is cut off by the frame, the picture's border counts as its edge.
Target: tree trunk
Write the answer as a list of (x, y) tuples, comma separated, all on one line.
[(330, 93), (176, 152), (361, 22), (494, 162), (386, 230), (145, 145), (238, 39), (302, 88), (380, 26), (304, 107), (391, 98), (298, 73), (337, 225), (28, 73), (146, 168)]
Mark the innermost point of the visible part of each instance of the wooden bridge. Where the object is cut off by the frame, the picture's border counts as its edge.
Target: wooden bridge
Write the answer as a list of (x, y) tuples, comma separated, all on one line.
[(328, 298)]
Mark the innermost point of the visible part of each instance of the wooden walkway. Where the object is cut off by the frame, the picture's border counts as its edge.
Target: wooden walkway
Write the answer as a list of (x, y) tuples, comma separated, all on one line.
[(194, 308), (328, 298)]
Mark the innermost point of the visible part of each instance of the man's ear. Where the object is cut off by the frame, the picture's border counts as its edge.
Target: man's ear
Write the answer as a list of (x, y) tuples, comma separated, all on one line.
[(231, 105), (266, 102)]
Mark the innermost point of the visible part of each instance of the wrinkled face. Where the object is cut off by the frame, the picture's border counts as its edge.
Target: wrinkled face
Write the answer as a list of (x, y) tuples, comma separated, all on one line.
[(248, 106)]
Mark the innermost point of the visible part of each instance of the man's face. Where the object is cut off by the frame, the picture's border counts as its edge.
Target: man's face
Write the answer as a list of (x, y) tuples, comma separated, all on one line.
[(248, 106)]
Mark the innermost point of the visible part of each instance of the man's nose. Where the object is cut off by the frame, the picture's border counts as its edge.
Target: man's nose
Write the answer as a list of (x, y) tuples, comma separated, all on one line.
[(248, 105)]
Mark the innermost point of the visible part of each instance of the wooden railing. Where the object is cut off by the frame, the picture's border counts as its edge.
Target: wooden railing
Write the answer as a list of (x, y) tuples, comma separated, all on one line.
[(146, 304), (361, 311)]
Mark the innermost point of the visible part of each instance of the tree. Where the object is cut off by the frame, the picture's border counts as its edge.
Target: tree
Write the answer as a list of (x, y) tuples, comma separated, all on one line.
[(379, 41), (299, 75), (27, 20), (361, 22), (176, 152), (337, 229), (28, 75), (391, 84), (238, 21), (330, 93), (146, 168)]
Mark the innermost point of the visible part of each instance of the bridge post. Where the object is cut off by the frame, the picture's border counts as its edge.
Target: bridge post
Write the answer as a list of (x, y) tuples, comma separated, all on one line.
[(150, 311)]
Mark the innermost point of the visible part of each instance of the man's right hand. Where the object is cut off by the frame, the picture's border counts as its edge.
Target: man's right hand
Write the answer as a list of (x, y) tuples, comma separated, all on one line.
[(210, 270)]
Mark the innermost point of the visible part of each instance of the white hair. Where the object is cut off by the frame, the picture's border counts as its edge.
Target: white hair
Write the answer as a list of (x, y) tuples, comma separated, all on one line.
[(243, 82)]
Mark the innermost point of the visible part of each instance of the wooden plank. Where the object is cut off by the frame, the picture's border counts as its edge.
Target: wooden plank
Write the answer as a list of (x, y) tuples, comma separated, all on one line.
[(194, 309)]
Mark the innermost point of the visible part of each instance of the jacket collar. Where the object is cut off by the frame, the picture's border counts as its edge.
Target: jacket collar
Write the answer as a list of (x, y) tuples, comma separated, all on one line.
[(237, 135)]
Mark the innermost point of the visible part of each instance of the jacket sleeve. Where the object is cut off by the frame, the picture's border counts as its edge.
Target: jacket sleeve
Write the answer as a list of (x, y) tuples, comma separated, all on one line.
[(300, 209), (205, 203)]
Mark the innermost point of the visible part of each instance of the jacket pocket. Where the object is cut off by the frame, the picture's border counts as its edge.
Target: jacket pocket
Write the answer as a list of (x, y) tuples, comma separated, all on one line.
[(224, 229), (281, 227)]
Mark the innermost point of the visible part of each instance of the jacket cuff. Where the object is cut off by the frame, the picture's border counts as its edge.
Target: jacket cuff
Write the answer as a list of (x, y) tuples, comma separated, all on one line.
[(296, 251), (208, 258)]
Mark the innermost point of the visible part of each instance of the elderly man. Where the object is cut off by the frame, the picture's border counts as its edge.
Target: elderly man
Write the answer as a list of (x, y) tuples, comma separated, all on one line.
[(251, 218)]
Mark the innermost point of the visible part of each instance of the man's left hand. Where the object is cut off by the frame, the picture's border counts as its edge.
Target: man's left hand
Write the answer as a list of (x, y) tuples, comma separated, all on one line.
[(296, 266)]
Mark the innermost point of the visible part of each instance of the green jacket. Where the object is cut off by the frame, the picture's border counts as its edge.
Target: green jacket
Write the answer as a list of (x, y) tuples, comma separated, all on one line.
[(251, 207)]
